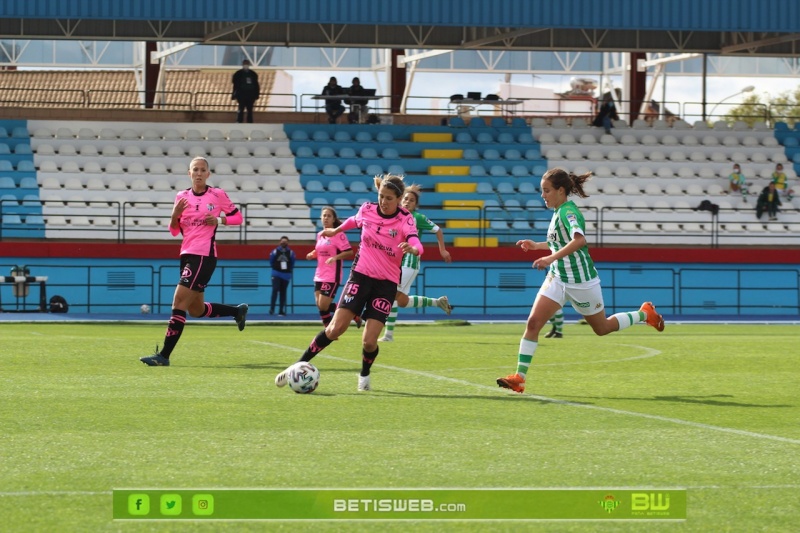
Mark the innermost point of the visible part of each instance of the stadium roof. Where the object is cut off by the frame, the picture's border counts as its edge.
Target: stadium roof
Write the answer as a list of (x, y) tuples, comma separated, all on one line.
[(720, 27)]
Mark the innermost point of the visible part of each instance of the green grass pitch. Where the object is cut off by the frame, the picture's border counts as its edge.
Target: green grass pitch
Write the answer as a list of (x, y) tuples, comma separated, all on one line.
[(711, 408)]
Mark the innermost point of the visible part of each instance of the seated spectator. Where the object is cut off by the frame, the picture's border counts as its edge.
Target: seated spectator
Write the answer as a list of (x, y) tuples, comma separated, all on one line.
[(358, 107), (333, 108), (782, 182), (606, 114), (768, 201), (737, 182)]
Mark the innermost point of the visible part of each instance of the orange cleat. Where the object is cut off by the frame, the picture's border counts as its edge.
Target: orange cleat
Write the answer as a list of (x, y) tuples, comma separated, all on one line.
[(653, 318), (514, 382)]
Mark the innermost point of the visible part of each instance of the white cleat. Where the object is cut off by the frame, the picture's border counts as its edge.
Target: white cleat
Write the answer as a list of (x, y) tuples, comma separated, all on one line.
[(282, 378), (386, 338), (444, 305), (363, 383)]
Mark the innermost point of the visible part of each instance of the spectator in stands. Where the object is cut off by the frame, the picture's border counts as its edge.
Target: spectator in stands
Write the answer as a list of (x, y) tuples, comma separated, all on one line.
[(606, 114), (411, 264), (387, 233), (738, 182), (196, 216), (782, 182), (571, 275), (333, 108), (358, 107), (768, 201), (245, 91), (281, 259), (330, 252)]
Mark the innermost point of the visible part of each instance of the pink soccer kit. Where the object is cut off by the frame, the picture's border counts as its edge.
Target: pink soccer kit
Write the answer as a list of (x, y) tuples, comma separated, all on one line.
[(327, 247), (199, 238)]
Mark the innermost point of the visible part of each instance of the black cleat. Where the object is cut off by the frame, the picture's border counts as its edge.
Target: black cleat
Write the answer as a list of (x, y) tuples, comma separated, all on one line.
[(241, 315), (553, 334), (155, 360)]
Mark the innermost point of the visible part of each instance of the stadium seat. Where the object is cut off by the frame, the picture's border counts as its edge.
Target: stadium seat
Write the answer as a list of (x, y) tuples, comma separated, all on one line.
[(309, 169), (299, 135), (305, 151), (331, 170), (326, 152), (348, 153)]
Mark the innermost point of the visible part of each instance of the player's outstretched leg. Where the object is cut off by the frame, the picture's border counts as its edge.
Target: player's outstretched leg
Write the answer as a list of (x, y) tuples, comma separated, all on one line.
[(241, 315), (557, 320)]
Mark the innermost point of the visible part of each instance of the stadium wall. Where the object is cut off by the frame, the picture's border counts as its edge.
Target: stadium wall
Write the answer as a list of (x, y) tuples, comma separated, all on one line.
[(730, 284)]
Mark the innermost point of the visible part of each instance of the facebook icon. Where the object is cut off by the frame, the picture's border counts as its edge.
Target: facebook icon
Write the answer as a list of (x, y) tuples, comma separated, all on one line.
[(138, 504)]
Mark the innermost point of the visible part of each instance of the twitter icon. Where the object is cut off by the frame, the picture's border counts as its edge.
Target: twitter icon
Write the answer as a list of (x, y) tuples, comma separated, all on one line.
[(171, 504)]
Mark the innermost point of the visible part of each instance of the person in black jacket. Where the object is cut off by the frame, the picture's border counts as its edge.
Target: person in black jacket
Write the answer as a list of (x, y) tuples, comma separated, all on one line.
[(245, 91), (358, 106), (333, 108), (606, 114), (768, 201)]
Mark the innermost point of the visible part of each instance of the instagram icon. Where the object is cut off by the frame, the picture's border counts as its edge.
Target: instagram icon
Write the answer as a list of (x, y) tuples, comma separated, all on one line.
[(203, 504)]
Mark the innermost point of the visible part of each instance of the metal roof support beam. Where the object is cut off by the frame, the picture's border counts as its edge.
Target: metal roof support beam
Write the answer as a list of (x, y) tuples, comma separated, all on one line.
[(758, 44)]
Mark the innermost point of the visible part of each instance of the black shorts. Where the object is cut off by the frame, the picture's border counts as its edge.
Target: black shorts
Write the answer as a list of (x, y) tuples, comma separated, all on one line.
[(326, 288), (368, 297), (196, 271)]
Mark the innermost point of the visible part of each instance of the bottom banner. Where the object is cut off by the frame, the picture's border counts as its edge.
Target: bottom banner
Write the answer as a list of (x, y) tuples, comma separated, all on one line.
[(399, 504)]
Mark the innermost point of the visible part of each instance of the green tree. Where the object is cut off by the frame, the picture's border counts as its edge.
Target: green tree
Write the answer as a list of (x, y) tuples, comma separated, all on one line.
[(785, 107)]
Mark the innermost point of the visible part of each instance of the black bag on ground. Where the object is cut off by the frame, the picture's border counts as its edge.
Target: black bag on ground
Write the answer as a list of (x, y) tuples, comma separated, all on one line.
[(58, 304)]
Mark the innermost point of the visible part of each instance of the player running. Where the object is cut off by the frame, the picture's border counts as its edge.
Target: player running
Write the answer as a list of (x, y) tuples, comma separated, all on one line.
[(571, 275)]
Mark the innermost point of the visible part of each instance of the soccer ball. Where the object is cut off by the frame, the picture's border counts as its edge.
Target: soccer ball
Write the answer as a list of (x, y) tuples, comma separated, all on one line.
[(303, 377), (145, 309)]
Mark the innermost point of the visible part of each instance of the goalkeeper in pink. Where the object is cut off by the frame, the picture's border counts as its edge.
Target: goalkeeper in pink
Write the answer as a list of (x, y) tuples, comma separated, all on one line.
[(196, 215), (387, 233)]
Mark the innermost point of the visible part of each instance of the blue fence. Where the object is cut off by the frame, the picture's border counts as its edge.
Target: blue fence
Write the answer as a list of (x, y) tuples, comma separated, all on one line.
[(475, 289)]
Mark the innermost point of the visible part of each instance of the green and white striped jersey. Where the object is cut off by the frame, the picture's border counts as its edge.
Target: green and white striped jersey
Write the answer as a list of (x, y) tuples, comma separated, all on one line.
[(577, 267), (423, 224)]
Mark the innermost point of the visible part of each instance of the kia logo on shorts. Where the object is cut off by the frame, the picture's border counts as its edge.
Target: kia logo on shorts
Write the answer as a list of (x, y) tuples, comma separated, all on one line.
[(382, 304)]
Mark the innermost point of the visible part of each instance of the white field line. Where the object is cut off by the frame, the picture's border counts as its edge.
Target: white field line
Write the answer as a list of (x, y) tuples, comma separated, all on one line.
[(700, 425), (648, 352), (105, 493)]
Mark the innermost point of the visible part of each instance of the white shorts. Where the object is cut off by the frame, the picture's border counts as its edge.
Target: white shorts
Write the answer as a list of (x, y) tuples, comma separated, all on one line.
[(586, 298), (407, 277)]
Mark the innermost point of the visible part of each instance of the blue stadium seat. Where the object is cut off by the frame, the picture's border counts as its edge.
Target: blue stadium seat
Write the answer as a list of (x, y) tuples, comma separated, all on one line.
[(299, 135), (491, 155), (5, 166), (512, 205), (23, 149), (3, 132), (331, 170), (20, 133), (526, 187), (352, 170), (512, 155), (347, 152), (505, 187), (7, 182), (471, 154), (498, 170), (384, 137), (484, 187), (498, 122), (321, 136), (390, 153), (518, 122), (336, 186), (326, 152), (363, 136), (26, 183), (519, 171), (4, 149), (477, 170), (314, 186), (358, 186), (369, 153), (34, 219), (309, 169), (457, 122), (11, 219), (305, 151), (342, 203), (525, 138), (374, 170), (341, 136), (791, 142), (26, 166), (498, 224), (484, 137), (533, 153), (477, 122), (539, 170), (520, 224), (397, 170), (505, 138), (464, 137)]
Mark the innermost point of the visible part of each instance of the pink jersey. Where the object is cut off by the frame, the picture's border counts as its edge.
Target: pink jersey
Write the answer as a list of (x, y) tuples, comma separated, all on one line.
[(379, 255), (199, 238), (328, 247)]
